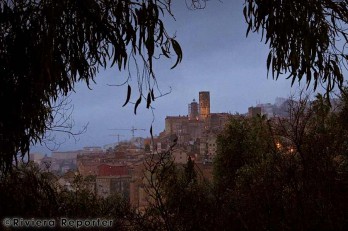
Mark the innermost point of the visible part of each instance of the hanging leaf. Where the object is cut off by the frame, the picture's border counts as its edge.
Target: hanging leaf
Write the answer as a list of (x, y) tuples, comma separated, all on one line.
[(128, 95), (178, 52), (137, 104), (152, 95), (269, 61), (148, 100), (164, 52), (151, 132)]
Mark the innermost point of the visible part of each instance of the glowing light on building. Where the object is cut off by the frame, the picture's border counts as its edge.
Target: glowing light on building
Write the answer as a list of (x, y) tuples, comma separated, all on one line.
[(204, 104)]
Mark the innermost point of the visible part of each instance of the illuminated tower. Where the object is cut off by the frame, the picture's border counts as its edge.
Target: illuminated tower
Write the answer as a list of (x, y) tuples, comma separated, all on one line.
[(204, 104), (193, 110)]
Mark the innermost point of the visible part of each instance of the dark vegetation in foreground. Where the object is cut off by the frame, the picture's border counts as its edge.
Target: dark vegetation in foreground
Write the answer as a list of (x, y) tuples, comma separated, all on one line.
[(278, 174), (286, 174)]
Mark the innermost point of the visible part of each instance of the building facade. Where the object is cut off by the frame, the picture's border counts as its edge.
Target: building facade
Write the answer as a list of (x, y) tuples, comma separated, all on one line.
[(194, 132), (204, 104), (113, 180)]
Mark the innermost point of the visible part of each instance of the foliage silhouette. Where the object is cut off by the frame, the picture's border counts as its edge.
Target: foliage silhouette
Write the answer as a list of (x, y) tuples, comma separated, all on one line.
[(285, 173), (48, 46), (307, 39)]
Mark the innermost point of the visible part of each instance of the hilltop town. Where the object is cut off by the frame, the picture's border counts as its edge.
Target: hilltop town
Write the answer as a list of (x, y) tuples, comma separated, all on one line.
[(119, 168)]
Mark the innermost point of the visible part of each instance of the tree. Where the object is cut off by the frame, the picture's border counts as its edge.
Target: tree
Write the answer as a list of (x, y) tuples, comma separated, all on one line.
[(306, 38), (40, 196), (243, 147), (285, 173), (48, 46), (242, 141), (179, 196)]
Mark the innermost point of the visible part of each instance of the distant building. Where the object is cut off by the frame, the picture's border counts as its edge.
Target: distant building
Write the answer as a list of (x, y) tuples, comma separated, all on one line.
[(63, 162), (91, 149), (211, 145), (216, 121), (193, 131), (174, 124), (254, 111), (208, 147), (69, 155), (139, 196), (110, 170), (123, 154), (267, 109), (184, 128), (193, 110), (88, 161), (112, 180), (204, 104), (180, 156)]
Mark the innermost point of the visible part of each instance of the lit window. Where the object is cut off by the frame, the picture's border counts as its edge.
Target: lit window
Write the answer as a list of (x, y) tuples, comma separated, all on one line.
[(278, 145)]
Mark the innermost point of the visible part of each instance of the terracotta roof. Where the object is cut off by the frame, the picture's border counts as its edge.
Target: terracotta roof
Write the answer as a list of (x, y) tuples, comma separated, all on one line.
[(109, 170)]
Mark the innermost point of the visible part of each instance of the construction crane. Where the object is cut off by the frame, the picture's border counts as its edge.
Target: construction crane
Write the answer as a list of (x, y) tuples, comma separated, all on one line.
[(131, 129)]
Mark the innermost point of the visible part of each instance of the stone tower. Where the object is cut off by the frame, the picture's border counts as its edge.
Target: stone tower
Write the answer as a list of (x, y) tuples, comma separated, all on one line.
[(204, 104), (193, 110)]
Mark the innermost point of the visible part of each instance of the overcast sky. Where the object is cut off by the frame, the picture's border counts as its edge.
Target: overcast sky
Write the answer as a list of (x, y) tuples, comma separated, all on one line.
[(217, 57)]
